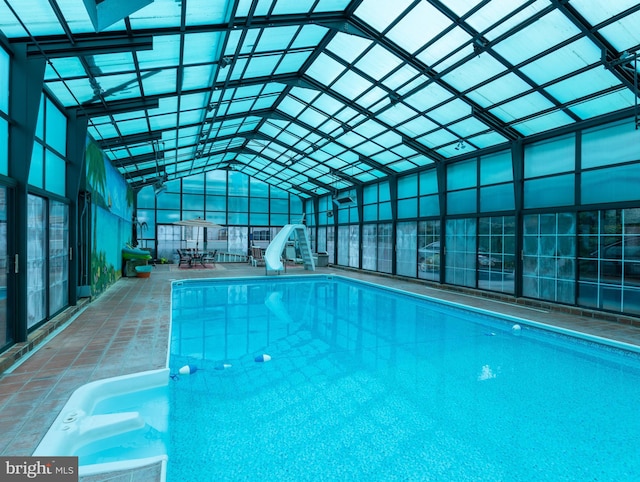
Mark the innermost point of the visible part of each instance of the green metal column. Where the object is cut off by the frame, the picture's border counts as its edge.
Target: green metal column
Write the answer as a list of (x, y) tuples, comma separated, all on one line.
[(27, 79), (76, 139), (517, 155)]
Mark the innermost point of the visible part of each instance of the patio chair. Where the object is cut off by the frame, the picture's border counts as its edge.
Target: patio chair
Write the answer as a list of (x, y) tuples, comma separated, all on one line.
[(257, 258), (184, 258), (210, 258)]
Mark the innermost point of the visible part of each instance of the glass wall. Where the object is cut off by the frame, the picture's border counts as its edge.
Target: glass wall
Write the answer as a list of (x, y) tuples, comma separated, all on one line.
[(48, 164), (58, 256), (246, 211), (609, 260), (548, 266), (6, 331), (460, 254), (36, 260), (429, 250), (406, 247), (496, 259)]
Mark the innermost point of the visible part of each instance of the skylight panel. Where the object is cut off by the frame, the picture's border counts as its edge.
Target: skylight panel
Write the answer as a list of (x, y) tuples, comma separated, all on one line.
[(581, 85), (428, 97), (157, 15), (37, 15), (348, 47), (468, 127), (509, 18), (298, 131), (292, 62), (487, 140), (371, 97), (378, 62), (165, 53), (163, 81), (261, 66), (312, 117), (522, 107), (327, 104), (237, 70), (402, 76), (239, 106), (124, 86), (325, 69), (134, 126), (562, 61), (446, 47), (474, 71), (417, 27), (380, 13), (65, 67), (385, 157), (351, 139), (505, 87), (402, 166), (197, 77), (205, 12), (111, 63), (370, 128), (543, 123), (161, 122), (544, 34), (202, 47), (438, 138), (368, 148), (604, 104), (623, 34), (417, 126), (450, 111), (351, 85), (276, 38), (396, 114), (62, 93), (596, 11), (492, 12), (310, 35)]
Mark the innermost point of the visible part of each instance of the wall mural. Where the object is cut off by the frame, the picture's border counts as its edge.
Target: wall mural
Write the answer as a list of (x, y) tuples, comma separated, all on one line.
[(112, 210)]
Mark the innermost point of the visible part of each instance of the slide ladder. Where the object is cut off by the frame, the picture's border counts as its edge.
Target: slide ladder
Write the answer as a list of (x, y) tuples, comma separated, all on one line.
[(273, 254)]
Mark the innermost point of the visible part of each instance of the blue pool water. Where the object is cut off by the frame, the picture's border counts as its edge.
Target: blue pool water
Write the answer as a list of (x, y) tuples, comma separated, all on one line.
[(370, 384)]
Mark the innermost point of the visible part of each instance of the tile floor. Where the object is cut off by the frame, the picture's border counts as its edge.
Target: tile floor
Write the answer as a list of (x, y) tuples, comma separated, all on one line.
[(126, 331)]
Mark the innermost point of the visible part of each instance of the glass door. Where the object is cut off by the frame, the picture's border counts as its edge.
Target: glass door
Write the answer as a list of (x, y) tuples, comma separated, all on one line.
[(6, 331)]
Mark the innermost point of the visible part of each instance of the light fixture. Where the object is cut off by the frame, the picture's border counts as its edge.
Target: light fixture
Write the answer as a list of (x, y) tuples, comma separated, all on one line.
[(224, 62), (159, 187), (460, 145)]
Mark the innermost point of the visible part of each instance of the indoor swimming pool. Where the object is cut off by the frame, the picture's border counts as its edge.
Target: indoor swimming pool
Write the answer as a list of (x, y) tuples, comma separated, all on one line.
[(368, 383)]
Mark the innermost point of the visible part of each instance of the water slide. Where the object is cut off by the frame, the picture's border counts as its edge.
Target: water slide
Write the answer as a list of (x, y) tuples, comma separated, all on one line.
[(273, 254)]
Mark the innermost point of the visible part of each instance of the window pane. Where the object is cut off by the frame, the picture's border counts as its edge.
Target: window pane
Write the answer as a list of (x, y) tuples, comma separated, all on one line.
[(550, 157), (497, 198), (4, 81), (461, 202), (4, 146), (407, 208), (58, 256), (610, 144), (496, 168), (461, 175), (621, 185), (55, 177), (36, 176), (550, 191), (56, 128), (408, 186)]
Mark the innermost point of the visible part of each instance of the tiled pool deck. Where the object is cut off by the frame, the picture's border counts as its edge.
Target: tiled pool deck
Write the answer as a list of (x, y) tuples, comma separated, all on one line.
[(125, 331)]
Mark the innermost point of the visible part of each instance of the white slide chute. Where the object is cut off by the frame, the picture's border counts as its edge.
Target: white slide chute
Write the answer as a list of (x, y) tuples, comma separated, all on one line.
[(273, 254)]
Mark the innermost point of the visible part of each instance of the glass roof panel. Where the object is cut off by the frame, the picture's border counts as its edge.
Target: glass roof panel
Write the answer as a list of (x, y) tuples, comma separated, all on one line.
[(596, 11), (206, 12), (417, 126), (442, 53), (487, 140), (312, 117), (197, 77), (110, 63), (160, 82), (604, 104), (348, 47), (396, 114), (325, 69), (428, 97), (291, 106), (380, 13), (276, 38), (450, 112), (522, 107), (164, 121), (157, 15), (541, 35), (502, 88), (623, 34), (543, 123), (562, 61), (202, 47), (420, 25), (474, 71), (438, 138), (65, 67), (581, 85), (511, 15), (283, 7), (351, 85), (76, 16), (401, 76), (165, 53), (309, 36), (37, 15), (468, 127), (378, 62), (62, 93), (292, 62), (261, 66)]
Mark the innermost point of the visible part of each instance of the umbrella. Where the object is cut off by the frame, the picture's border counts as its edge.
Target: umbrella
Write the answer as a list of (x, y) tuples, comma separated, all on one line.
[(199, 223)]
